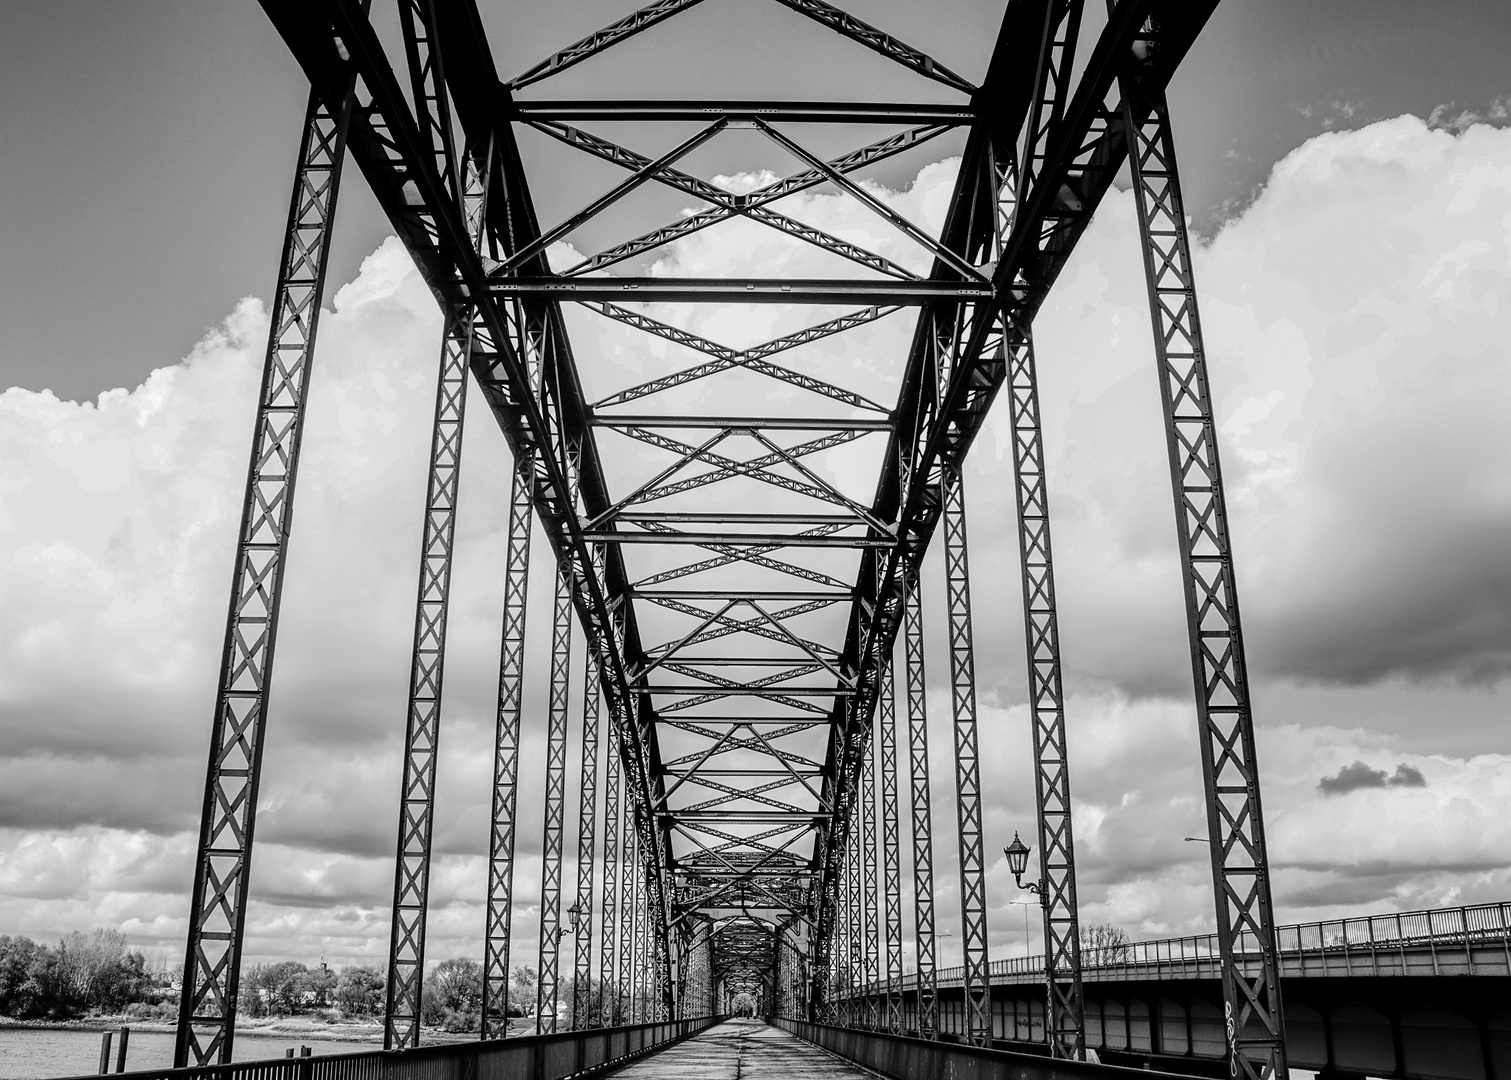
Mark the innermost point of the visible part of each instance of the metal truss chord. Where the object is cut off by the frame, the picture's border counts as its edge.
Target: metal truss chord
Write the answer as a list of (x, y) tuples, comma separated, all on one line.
[(1230, 768), (217, 917), (600, 40), (849, 26), (511, 679), (664, 290), (547, 985), (427, 82), (744, 423), (918, 114)]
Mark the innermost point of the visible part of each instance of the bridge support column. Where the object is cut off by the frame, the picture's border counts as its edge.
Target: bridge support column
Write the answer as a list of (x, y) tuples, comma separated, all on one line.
[(891, 865), (506, 755), (923, 826), (967, 762), (1230, 771), (608, 914), (1057, 874), (868, 884), (547, 988), (625, 965), (217, 916), (587, 807), (406, 954)]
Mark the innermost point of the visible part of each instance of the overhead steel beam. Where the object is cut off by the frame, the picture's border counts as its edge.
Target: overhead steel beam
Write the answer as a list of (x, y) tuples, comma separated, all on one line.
[(783, 112), (661, 290)]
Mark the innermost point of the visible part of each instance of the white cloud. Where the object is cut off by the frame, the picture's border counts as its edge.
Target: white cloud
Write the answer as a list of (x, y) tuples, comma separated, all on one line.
[(1362, 380)]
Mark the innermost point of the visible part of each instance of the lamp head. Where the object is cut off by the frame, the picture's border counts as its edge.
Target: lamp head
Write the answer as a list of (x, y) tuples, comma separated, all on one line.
[(1017, 856)]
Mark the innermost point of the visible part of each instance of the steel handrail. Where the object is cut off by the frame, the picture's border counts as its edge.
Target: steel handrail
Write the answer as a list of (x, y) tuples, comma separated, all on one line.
[(1434, 928)]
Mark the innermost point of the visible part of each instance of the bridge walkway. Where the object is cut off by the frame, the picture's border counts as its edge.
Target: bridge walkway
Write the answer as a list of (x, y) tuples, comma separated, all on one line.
[(742, 1050)]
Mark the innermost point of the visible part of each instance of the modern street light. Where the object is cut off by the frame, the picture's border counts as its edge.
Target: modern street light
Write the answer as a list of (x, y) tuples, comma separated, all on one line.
[(1017, 862)]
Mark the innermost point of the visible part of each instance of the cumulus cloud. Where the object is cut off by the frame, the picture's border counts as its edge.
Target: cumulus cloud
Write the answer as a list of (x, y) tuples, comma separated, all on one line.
[(1359, 775), (1353, 319)]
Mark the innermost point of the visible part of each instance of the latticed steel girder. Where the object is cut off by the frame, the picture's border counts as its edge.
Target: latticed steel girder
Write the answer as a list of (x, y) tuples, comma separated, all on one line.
[(707, 519)]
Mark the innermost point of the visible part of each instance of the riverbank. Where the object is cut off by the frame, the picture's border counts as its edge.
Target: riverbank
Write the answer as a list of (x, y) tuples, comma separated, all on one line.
[(309, 1027)]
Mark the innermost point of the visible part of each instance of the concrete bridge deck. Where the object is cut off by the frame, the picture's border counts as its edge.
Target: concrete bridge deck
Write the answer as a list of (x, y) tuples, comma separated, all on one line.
[(743, 1050)]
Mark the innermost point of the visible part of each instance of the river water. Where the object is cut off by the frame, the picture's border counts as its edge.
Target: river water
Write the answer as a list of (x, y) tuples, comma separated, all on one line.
[(28, 1053)]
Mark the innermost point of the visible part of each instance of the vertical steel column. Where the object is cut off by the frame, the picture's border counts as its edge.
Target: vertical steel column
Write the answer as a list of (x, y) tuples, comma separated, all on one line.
[(867, 839), (890, 860), (1057, 874), (547, 990), (923, 837), (608, 916), (511, 678), (1065, 1026), (628, 860), (406, 954), (642, 985), (582, 968), (967, 760), (1230, 770), (217, 917), (852, 926)]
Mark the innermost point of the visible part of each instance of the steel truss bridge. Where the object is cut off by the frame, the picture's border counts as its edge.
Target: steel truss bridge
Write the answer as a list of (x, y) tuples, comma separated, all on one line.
[(755, 709)]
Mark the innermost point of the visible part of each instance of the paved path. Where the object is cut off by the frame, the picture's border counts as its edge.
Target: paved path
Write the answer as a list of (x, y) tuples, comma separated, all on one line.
[(743, 1050)]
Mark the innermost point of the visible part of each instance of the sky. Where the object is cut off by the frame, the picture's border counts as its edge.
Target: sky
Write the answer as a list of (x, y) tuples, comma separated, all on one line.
[(1348, 168)]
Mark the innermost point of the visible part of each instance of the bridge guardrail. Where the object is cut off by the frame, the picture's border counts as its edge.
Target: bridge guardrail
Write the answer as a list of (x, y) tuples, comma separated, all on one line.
[(1451, 940), (540, 1057), (926, 1059)]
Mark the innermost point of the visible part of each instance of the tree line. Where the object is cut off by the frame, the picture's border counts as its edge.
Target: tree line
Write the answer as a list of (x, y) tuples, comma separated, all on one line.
[(97, 972), (83, 972)]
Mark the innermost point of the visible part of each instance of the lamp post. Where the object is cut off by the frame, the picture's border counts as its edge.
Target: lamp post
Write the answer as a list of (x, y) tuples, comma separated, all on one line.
[(1017, 862), (1027, 940)]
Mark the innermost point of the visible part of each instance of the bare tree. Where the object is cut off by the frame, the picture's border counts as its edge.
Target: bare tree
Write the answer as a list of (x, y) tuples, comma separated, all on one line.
[(1103, 944)]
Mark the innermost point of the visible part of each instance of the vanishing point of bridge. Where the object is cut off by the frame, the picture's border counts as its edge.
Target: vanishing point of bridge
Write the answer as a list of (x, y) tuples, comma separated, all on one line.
[(752, 745)]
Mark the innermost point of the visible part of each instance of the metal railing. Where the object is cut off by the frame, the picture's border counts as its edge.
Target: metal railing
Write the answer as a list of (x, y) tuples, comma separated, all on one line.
[(530, 1057), (926, 1059), (1471, 940)]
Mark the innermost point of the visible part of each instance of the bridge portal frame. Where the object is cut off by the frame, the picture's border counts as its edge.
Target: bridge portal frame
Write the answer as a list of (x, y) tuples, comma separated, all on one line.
[(1068, 161)]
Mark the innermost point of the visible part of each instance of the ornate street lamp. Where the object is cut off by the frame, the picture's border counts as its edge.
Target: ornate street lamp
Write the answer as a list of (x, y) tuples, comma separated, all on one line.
[(1017, 862), (574, 914)]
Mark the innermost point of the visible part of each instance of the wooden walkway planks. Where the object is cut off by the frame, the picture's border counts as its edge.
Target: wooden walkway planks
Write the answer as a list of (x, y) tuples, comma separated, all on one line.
[(743, 1050)]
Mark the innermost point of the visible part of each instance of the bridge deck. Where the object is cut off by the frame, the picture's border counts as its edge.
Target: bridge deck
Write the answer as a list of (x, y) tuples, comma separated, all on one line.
[(743, 1050)]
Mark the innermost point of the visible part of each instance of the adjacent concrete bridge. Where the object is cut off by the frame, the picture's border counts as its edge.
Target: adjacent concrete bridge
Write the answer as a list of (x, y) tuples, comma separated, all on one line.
[(1423, 995)]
